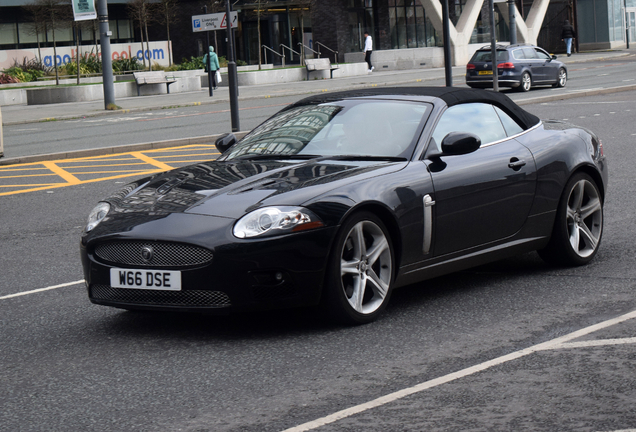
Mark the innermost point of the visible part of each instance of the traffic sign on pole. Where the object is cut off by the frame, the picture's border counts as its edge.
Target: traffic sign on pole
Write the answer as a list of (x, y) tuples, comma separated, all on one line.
[(215, 21)]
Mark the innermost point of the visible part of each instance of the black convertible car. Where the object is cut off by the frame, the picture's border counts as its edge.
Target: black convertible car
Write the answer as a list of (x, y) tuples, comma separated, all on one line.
[(342, 197)]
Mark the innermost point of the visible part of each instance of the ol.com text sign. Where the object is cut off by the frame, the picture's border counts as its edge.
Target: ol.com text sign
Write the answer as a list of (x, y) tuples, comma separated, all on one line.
[(215, 21)]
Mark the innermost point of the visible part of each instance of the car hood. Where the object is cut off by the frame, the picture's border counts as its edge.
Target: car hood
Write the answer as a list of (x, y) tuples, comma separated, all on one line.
[(231, 189)]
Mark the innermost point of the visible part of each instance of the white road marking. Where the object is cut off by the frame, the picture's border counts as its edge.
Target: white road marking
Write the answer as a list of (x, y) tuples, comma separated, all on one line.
[(41, 289), (595, 343), (624, 430), (383, 400)]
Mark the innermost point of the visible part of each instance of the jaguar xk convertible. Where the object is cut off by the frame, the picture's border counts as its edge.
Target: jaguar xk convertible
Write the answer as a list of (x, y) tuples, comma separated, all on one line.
[(340, 198)]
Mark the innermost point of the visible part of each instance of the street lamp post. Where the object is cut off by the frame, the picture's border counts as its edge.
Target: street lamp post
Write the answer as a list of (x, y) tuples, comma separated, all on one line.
[(493, 47), (231, 71), (448, 67), (107, 62), (207, 66)]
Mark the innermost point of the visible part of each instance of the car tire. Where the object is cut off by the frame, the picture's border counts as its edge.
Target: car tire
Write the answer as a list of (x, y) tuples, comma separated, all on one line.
[(360, 271), (526, 82), (578, 226), (562, 79)]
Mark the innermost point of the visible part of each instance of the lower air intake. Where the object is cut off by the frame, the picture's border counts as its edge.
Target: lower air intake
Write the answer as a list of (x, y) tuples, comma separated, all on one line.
[(191, 298)]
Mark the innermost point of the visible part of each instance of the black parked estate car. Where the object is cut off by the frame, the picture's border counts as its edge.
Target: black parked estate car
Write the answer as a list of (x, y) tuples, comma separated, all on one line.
[(518, 66), (340, 198)]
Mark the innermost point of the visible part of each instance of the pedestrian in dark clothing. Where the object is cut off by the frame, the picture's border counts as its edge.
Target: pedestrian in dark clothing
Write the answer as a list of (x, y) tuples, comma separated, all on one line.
[(567, 34)]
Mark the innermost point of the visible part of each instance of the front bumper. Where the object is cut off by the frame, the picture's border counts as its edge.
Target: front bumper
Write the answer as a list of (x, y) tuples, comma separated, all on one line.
[(268, 273)]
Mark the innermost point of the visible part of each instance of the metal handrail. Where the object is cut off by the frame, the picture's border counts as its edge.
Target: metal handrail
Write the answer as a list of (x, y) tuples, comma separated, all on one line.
[(318, 44), (275, 52), (292, 56), (295, 52), (315, 52)]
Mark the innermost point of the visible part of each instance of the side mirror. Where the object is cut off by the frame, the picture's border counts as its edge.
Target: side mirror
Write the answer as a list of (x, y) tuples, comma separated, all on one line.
[(554, 57), (459, 143), (224, 142)]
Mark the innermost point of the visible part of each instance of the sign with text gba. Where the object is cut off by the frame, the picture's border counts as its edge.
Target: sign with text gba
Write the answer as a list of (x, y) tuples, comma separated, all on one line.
[(84, 10), (215, 21)]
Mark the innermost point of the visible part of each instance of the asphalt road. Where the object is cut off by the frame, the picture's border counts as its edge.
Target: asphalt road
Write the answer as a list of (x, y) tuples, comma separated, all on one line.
[(194, 121), (479, 344)]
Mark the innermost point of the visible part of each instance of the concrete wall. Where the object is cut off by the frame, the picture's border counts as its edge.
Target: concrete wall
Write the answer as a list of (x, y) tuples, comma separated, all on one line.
[(401, 59), (13, 97)]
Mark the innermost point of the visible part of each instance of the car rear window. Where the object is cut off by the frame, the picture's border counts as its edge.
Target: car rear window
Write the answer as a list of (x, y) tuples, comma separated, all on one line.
[(485, 56)]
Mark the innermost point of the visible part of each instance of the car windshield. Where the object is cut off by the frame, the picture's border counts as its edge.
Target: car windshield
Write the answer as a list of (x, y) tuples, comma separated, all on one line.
[(486, 56), (375, 128)]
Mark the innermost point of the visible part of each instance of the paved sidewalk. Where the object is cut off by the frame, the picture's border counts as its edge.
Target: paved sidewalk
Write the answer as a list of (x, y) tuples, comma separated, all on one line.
[(22, 114)]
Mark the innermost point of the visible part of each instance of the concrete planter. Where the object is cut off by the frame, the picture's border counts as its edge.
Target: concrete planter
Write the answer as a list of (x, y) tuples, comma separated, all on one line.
[(279, 76), (49, 95)]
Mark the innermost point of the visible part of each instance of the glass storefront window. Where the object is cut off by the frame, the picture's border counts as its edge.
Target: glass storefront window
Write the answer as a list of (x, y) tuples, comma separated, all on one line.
[(26, 32), (616, 9), (408, 25), (125, 29), (61, 35), (8, 34)]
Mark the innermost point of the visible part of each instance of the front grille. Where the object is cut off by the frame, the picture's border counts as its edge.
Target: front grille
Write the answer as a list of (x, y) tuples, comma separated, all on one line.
[(192, 298), (163, 254)]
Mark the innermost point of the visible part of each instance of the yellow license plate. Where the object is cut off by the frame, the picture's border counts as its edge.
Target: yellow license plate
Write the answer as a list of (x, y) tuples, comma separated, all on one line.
[(489, 72)]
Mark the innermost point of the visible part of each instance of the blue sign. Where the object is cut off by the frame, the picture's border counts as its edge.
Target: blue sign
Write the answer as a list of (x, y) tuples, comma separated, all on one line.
[(197, 23)]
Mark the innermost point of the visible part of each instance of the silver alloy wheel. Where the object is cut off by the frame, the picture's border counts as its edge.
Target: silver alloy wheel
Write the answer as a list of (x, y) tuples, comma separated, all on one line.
[(584, 218), (366, 267), (563, 78), (526, 81)]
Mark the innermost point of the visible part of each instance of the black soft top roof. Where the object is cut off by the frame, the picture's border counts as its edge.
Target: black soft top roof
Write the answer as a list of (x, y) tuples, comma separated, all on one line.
[(450, 95)]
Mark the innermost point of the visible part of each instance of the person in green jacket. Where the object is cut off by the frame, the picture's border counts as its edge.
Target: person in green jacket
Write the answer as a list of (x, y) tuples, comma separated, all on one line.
[(214, 64)]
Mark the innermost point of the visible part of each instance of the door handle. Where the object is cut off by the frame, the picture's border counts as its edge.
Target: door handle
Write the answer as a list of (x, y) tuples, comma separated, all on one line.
[(516, 164)]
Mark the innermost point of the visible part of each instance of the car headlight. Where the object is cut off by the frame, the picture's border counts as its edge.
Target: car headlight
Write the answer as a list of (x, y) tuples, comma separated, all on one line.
[(275, 220), (97, 215)]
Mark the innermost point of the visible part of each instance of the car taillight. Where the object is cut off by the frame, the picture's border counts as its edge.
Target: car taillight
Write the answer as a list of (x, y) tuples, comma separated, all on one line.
[(470, 66), (506, 65)]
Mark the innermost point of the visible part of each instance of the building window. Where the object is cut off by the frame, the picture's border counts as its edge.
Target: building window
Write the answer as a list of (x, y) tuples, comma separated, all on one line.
[(9, 34), (409, 26)]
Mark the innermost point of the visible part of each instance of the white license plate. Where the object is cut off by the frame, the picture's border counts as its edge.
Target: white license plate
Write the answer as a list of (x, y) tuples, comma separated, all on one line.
[(145, 279)]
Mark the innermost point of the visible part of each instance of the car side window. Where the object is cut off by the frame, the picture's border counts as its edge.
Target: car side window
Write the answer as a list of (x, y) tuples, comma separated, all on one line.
[(477, 118), (511, 126), (518, 54), (529, 53), (542, 54)]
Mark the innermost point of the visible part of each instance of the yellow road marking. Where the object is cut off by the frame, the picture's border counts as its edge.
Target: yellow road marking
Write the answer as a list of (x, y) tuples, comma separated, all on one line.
[(59, 185), (28, 185), (70, 178), (101, 167), (30, 175), (152, 161)]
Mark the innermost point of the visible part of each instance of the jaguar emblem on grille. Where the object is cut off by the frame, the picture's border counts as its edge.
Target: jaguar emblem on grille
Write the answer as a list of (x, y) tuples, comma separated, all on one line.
[(146, 253)]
